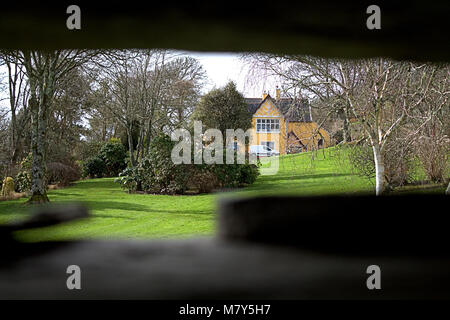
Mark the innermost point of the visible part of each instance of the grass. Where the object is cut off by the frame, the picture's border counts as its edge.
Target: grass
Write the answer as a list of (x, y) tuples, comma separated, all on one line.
[(309, 174), (117, 214)]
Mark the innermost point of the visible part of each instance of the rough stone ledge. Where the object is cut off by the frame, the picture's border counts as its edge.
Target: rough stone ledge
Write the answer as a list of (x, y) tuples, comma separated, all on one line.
[(212, 269), (393, 225), (266, 248)]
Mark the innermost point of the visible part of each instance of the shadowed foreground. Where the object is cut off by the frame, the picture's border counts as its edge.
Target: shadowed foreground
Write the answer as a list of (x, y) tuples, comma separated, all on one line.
[(256, 255)]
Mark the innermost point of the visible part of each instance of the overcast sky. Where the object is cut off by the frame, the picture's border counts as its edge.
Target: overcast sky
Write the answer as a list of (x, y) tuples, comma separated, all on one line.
[(222, 67)]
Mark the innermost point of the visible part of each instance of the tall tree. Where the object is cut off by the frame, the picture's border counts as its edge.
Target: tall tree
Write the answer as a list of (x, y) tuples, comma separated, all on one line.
[(18, 91), (44, 70), (382, 101), (149, 91), (223, 109)]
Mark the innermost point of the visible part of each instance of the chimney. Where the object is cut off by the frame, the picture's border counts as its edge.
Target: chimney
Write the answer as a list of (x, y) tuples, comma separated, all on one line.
[(265, 94), (278, 93)]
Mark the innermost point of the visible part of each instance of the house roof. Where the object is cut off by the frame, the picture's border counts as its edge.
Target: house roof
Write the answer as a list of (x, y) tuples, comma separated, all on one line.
[(253, 104), (292, 110)]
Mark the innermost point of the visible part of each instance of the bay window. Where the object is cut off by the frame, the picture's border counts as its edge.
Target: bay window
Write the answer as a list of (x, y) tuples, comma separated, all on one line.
[(267, 125)]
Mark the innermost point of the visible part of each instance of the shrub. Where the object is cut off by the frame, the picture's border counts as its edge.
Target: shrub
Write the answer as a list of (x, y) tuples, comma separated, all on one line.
[(398, 162), (113, 154), (61, 174), (89, 149), (234, 175), (361, 160), (94, 167), (434, 156), (399, 166), (248, 173), (79, 165), (23, 181), (115, 140), (27, 162), (228, 174), (158, 174), (203, 180), (206, 178), (131, 179), (103, 159), (7, 187)]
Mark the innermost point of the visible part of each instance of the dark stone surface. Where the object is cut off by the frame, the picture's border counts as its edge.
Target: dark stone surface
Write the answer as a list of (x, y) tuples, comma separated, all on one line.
[(396, 225), (47, 215), (211, 269), (410, 29), (267, 248)]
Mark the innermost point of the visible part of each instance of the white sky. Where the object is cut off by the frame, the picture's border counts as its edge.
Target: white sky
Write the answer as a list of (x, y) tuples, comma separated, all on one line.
[(223, 67), (220, 68)]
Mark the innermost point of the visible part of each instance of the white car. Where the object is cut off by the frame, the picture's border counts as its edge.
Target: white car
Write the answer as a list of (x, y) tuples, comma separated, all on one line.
[(263, 151)]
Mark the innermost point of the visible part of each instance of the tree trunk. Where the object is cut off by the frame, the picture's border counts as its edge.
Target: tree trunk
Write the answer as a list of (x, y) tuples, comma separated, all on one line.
[(38, 187), (130, 145), (346, 136), (381, 187), (140, 144), (18, 149), (13, 137), (104, 131), (148, 137), (40, 103), (345, 132), (447, 192)]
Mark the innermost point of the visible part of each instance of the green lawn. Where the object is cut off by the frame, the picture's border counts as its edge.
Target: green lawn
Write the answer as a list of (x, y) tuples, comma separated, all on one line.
[(117, 214)]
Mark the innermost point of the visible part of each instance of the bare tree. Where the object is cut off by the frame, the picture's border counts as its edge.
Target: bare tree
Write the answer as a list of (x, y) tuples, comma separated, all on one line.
[(382, 102), (18, 93), (428, 130), (44, 69), (102, 122), (150, 91), (4, 148), (315, 78), (166, 95), (378, 94)]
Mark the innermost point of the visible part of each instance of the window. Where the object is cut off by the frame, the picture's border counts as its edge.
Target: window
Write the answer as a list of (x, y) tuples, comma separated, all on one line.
[(235, 146), (320, 143), (268, 125)]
